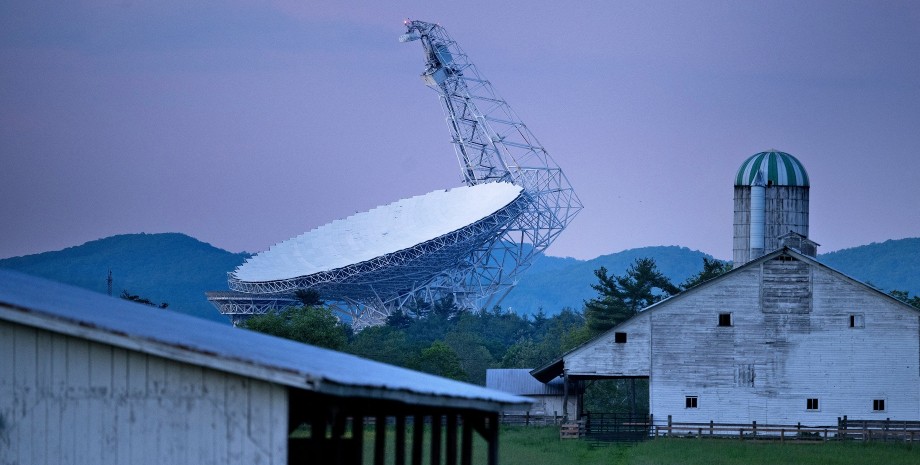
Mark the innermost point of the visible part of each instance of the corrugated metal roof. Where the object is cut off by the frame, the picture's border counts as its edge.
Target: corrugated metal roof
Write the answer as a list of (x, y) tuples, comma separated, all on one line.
[(519, 381), (77, 312)]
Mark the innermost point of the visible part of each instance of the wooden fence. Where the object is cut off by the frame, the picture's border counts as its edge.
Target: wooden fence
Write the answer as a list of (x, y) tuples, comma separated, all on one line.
[(866, 430), (528, 419)]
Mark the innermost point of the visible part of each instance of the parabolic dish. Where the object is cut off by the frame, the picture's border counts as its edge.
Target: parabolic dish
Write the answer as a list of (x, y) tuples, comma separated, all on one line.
[(417, 236)]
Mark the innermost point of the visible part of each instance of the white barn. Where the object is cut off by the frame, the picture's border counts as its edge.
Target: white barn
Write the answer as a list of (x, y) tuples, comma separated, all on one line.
[(88, 379), (780, 340)]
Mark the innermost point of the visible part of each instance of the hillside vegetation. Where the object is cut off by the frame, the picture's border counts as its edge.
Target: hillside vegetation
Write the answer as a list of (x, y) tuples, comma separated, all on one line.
[(178, 269), (168, 267)]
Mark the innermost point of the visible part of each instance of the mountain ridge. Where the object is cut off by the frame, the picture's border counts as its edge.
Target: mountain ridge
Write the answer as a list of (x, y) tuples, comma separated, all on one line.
[(178, 269)]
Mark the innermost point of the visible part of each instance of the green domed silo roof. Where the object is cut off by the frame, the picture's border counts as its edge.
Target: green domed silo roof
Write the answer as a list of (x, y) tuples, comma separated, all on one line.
[(779, 169)]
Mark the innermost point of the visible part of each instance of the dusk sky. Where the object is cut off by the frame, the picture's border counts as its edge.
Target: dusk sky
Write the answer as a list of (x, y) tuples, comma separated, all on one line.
[(245, 123)]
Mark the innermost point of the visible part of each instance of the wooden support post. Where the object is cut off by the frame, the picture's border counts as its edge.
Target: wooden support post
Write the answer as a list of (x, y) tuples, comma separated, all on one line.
[(565, 396), (493, 438), (318, 436), (782, 435), (357, 434), (451, 439), (710, 427), (669, 425), (418, 437), (436, 439), (400, 446), (466, 453), (754, 428), (380, 437), (338, 430)]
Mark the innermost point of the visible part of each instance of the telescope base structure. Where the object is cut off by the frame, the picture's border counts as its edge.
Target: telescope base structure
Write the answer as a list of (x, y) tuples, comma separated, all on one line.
[(240, 306)]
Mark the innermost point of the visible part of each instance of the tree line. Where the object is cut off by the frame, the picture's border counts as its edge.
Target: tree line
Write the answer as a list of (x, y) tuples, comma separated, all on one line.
[(444, 340)]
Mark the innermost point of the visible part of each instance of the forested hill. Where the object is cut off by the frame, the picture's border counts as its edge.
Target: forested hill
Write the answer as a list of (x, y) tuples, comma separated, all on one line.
[(889, 265), (169, 267), (178, 269), (553, 283)]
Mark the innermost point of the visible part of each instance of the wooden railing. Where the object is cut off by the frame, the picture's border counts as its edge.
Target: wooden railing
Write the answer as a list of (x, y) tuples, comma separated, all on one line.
[(867, 430), (529, 419)]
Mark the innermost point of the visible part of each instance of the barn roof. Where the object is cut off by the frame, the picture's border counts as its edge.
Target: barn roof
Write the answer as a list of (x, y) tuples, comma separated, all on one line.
[(556, 367), (80, 313)]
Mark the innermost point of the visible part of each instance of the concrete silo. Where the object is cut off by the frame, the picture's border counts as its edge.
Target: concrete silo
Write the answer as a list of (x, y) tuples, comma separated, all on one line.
[(771, 206)]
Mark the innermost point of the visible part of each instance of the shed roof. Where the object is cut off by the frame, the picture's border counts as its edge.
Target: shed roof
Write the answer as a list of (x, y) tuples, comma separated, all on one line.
[(80, 313), (519, 381)]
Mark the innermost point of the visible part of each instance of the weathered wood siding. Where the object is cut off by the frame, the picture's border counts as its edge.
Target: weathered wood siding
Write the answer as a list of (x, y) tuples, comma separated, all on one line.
[(65, 400), (790, 340), (606, 357), (785, 209)]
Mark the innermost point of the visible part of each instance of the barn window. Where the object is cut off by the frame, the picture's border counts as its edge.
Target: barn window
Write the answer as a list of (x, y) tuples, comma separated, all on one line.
[(857, 320), (619, 338), (691, 402), (725, 319), (811, 404), (878, 405)]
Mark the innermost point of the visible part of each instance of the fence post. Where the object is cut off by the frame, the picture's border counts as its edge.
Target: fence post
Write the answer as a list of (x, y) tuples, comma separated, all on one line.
[(669, 426), (710, 427), (754, 428), (782, 435), (527, 418)]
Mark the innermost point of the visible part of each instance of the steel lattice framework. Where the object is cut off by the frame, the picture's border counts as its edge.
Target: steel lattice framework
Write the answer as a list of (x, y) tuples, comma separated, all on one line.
[(493, 144), (475, 265)]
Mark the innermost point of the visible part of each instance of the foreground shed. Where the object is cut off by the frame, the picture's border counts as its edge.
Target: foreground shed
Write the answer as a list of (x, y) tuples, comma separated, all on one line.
[(85, 378)]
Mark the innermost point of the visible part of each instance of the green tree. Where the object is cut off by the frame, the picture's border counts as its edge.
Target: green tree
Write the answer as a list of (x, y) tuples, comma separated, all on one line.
[(439, 359), (310, 325), (384, 343), (141, 300), (621, 297), (308, 297), (904, 296), (712, 268)]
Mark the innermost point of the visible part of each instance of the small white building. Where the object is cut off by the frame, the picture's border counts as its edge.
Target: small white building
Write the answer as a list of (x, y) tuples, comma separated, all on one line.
[(548, 398), (90, 379)]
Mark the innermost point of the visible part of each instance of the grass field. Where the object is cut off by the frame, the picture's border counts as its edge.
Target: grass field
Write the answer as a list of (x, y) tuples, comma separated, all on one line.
[(539, 446), (536, 446)]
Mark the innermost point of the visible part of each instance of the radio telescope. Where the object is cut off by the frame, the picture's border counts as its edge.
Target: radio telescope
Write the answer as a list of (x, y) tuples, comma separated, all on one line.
[(469, 243)]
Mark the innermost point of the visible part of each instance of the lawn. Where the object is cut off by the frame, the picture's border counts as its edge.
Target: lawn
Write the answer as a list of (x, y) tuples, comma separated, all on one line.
[(539, 446), (536, 446)]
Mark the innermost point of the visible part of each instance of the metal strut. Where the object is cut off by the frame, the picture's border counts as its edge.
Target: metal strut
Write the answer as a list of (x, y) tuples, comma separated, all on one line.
[(493, 144)]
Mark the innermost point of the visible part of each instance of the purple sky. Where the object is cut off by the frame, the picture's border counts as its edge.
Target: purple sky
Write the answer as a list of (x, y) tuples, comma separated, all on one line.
[(247, 123)]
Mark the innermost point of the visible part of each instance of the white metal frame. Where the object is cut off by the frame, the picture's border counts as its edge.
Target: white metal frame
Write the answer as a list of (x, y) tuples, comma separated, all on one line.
[(476, 265)]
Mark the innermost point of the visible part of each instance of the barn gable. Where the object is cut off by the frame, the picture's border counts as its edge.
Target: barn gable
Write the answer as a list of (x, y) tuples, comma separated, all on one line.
[(780, 339)]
